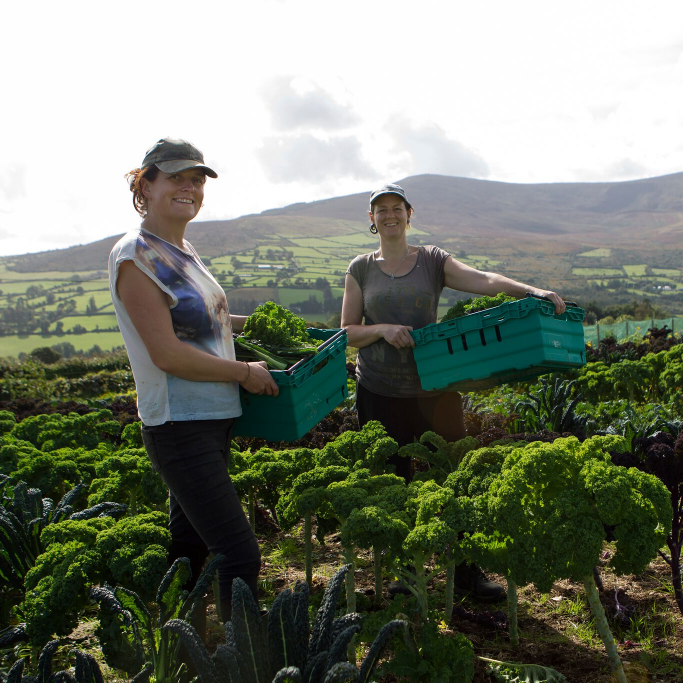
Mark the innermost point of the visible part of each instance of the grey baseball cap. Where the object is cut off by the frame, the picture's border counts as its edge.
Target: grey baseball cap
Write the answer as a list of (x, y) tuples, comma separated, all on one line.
[(389, 189), (173, 156)]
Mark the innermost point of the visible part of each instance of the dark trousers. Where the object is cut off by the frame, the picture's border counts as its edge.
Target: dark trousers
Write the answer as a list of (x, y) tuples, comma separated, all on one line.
[(205, 511), (407, 419)]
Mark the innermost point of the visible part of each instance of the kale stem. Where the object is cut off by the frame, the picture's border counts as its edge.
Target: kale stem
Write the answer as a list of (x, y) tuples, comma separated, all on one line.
[(350, 580), (377, 561), (603, 629), (450, 578), (308, 550), (512, 613), (252, 508)]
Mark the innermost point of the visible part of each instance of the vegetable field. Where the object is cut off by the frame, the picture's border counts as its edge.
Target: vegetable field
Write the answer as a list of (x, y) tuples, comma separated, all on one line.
[(567, 490)]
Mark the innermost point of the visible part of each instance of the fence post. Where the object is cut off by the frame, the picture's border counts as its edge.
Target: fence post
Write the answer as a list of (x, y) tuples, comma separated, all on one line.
[(627, 328), (597, 330)]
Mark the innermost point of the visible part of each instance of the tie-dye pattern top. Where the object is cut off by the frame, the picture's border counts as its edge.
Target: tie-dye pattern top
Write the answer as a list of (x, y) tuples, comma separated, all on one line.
[(200, 316)]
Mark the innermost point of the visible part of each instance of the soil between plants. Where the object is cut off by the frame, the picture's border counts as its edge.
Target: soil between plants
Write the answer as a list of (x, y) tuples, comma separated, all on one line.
[(556, 629)]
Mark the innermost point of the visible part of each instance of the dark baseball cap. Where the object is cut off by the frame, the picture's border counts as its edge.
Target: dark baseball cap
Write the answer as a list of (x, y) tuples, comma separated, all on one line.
[(389, 189), (173, 156)]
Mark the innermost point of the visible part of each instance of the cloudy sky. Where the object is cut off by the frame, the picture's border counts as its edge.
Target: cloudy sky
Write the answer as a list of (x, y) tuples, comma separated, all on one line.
[(298, 100)]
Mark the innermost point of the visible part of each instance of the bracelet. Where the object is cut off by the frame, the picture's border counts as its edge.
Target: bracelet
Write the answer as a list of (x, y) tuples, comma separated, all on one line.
[(248, 372)]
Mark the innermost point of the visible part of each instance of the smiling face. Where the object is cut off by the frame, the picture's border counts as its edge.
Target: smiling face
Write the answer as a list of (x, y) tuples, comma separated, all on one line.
[(390, 215), (175, 197)]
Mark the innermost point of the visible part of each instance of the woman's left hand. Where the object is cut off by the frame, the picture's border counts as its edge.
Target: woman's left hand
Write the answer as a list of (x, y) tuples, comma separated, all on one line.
[(560, 306)]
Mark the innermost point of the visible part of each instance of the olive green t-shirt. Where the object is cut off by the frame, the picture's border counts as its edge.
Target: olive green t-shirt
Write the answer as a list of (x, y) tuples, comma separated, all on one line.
[(411, 299)]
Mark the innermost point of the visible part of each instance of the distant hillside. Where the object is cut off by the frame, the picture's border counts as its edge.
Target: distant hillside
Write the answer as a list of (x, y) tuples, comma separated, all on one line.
[(500, 218)]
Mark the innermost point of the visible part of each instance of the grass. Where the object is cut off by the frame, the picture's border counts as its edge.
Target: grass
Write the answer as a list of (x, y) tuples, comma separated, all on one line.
[(53, 275), (635, 270), (357, 239), (596, 253), (13, 346), (572, 607), (285, 551), (597, 272), (90, 322), (8, 287)]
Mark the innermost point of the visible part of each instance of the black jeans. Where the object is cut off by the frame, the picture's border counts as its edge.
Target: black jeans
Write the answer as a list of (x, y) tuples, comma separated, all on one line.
[(205, 511), (407, 419)]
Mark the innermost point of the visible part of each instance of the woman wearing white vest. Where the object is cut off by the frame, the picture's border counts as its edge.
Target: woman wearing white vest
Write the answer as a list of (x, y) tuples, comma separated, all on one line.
[(177, 328)]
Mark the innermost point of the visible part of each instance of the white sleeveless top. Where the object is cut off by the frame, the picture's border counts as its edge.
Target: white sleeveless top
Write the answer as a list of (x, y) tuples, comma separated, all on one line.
[(200, 316)]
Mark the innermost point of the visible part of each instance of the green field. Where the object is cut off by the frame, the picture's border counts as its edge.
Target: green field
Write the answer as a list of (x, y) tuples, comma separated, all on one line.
[(53, 275), (309, 258), (597, 253), (476, 261), (598, 272), (90, 322), (635, 270), (13, 346), (288, 295), (88, 286), (357, 239), (7, 287), (102, 300)]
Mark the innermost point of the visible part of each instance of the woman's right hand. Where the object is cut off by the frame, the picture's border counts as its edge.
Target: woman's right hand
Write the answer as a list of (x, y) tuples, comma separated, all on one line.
[(398, 336), (259, 380)]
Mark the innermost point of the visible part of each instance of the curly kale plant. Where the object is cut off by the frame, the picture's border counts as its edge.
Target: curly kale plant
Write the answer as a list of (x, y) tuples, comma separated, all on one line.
[(474, 305), (276, 335), (555, 500), (127, 476), (23, 517), (662, 455), (272, 324), (50, 432), (81, 552), (442, 457)]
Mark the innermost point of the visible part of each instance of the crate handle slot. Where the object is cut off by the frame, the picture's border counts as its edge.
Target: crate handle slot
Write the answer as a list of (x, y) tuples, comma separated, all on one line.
[(332, 396), (482, 337), (545, 298), (450, 346), (498, 337), (464, 342)]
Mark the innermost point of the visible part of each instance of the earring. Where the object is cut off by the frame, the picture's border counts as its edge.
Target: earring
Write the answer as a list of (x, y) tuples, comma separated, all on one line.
[(373, 229)]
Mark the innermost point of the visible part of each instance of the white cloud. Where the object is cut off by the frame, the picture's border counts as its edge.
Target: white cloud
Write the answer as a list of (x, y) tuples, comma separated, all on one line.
[(289, 100), (296, 103), (12, 184), (429, 149), (308, 158)]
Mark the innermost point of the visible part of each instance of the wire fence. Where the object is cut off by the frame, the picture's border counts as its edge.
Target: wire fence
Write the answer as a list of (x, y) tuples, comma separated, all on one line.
[(594, 333)]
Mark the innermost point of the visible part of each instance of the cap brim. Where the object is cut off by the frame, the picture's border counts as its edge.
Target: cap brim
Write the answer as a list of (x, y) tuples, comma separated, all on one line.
[(380, 194), (178, 165)]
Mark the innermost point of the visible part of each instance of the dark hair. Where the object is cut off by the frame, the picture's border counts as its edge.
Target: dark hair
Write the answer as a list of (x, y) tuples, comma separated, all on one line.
[(134, 179)]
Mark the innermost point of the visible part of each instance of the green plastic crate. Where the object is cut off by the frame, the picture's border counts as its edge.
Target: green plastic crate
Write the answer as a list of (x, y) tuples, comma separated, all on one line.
[(512, 342), (309, 391)]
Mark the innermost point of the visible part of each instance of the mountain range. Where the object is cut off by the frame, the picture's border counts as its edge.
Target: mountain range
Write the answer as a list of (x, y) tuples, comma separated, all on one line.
[(481, 216)]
